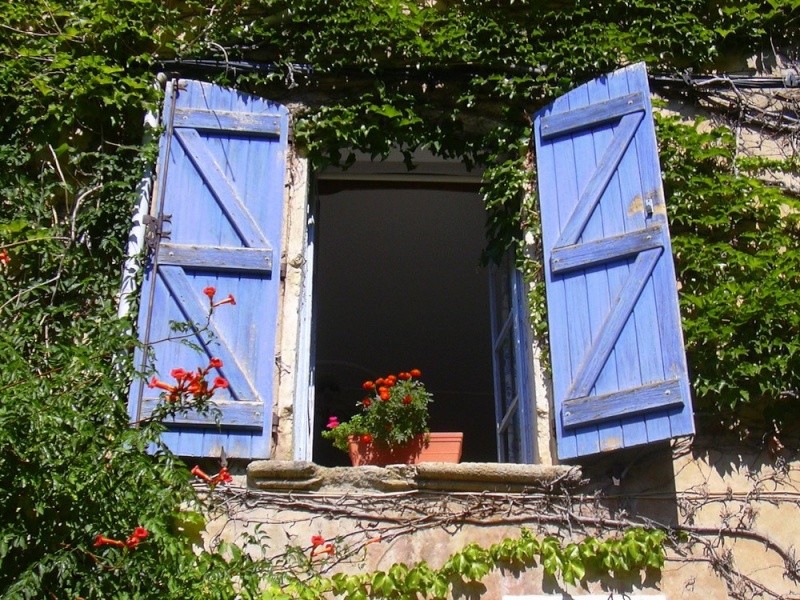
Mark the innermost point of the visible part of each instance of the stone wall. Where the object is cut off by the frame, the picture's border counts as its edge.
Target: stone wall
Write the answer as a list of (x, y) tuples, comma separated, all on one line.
[(737, 509)]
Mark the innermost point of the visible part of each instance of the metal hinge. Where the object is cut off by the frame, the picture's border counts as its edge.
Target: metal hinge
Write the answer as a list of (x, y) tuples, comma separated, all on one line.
[(154, 230), (276, 420)]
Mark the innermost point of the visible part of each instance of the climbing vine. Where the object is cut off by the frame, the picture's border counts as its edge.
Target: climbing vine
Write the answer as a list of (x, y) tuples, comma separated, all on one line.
[(457, 78), (300, 573), (635, 550), (737, 250)]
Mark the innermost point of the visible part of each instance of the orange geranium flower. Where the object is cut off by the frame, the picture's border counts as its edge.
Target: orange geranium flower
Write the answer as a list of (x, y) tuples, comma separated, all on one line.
[(394, 411)]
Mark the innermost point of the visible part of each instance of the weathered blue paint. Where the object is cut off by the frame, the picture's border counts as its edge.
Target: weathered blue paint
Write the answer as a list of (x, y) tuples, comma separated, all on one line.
[(619, 368), (513, 394), (221, 183)]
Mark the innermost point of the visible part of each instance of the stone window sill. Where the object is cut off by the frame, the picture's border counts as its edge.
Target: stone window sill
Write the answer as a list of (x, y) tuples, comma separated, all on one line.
[(298, 476)]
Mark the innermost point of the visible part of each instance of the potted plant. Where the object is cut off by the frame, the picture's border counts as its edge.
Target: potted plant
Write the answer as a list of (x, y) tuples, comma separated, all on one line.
[(392, 427)]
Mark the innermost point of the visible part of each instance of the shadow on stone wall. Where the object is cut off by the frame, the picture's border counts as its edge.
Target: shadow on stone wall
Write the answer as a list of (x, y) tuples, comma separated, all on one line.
[(636, 482)]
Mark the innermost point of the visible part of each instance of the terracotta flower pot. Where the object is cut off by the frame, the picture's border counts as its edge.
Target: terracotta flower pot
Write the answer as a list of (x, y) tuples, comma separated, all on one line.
[(430, 447)]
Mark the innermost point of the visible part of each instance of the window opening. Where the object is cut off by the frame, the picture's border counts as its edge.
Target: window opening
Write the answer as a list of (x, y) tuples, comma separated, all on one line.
[(398, 285)]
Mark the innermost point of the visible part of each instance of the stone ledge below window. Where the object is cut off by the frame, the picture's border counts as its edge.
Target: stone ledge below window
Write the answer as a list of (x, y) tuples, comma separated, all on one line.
[(299, 476)]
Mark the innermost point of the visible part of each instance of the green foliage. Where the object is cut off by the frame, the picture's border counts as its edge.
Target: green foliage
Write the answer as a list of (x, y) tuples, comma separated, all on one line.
[(71, 468), (736, 241), (458, 78), (74, 82), (635, 550)]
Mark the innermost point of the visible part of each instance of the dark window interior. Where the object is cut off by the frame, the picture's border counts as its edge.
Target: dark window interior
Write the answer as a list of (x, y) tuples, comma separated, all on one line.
[(398, 285)]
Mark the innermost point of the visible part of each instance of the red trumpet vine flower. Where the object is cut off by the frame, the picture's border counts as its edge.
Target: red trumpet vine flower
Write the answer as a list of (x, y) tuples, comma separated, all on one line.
[(224, 476), (229, 300), (324, 549), (319, 547), (137, 536), (101, 540), (155, 383), (131, 542), (219, 383), (200, 474), (179, 374)]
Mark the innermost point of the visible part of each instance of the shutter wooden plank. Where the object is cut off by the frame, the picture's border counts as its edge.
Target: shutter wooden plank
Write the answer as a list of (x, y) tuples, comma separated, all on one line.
[(265, 124), (219, 258), (665, 320), (589, 116), (618, 364), (237, 414), (221, 176), (580, 256), (583, 411)]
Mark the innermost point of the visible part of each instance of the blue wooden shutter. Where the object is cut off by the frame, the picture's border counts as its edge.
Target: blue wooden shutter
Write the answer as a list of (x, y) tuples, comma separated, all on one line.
[(220, 195), (619, 368)]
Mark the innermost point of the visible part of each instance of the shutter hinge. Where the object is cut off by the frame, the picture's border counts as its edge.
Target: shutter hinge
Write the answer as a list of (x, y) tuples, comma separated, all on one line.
[(283, 268), (276, 421), (154, 230)]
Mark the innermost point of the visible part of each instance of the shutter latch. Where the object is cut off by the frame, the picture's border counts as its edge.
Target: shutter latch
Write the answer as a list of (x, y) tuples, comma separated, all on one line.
[(648, 208), (154, 230)]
